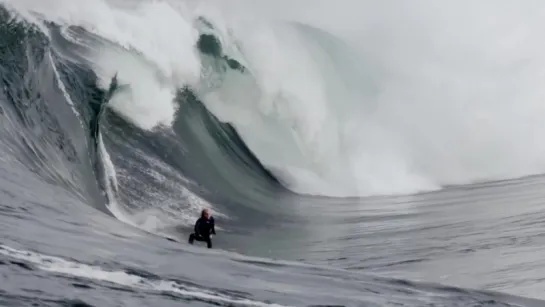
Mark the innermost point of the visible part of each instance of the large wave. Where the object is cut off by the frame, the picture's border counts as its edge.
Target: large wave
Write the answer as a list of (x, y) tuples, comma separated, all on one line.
[(372, 99)]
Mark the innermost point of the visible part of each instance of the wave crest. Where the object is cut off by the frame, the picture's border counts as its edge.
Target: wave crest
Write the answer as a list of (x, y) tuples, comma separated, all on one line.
[(330, 111)]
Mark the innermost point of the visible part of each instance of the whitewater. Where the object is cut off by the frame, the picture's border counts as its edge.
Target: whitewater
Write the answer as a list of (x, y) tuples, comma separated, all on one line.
[(356, 153)]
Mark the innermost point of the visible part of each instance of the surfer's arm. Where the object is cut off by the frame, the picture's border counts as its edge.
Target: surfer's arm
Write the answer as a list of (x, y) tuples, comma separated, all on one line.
[(196, 229), (213, 229)]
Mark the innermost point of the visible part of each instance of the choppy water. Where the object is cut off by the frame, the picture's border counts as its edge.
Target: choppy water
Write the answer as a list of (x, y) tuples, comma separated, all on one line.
[(108, 153)]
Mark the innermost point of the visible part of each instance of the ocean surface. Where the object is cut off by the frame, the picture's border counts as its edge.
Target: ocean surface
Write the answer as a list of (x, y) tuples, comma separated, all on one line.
[(353, 153)]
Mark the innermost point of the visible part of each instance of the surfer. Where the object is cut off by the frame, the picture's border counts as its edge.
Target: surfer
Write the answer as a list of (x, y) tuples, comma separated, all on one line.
[(204, 227)]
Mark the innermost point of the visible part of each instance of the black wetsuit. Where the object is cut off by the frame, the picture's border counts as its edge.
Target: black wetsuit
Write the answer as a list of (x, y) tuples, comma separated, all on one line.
[(203, 228)]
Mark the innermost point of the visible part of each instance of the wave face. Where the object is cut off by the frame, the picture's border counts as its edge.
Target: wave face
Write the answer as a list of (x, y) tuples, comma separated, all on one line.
[(310, 132), (43, 127), (351, 106)]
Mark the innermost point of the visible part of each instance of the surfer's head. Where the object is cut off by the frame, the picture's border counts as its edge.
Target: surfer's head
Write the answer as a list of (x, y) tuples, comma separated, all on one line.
[(205, 213)]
